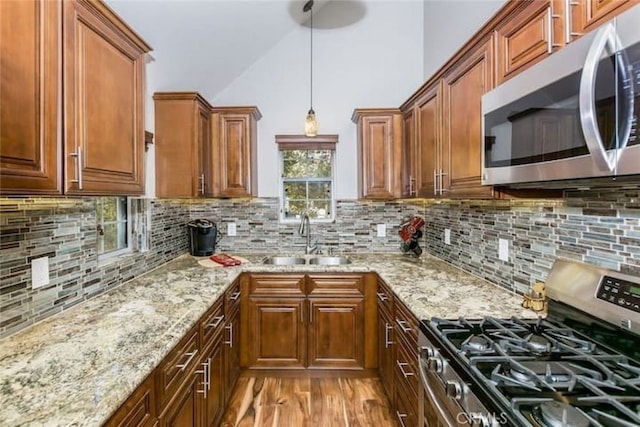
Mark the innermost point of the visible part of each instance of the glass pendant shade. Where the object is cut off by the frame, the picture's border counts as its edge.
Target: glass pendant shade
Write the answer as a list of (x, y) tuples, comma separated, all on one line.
[(311, 124)]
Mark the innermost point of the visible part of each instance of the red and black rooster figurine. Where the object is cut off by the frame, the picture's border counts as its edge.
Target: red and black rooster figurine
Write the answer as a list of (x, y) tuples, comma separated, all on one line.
[(410, 233)]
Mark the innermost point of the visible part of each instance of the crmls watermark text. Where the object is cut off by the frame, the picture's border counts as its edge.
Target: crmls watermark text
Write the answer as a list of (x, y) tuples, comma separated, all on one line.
[(497, 419)]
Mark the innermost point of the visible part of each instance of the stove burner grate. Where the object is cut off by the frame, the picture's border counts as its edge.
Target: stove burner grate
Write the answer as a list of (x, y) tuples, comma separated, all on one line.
[(558, 414)]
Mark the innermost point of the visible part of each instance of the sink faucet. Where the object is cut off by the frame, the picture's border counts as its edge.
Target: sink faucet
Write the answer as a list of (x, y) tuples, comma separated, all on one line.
[(305, 224)]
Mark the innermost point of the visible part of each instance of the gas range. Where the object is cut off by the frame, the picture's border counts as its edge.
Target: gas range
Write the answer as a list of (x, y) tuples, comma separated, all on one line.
[(579, 366)]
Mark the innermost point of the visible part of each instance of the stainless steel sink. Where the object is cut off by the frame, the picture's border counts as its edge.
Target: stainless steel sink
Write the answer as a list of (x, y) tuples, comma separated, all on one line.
[(329, 260), (284, 260)]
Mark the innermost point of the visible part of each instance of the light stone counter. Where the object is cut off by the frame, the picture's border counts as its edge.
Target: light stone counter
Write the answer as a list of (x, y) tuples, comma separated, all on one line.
[(77, 367)]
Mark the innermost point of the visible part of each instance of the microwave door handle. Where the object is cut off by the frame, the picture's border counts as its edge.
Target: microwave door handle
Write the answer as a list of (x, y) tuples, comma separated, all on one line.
[(605, 38)]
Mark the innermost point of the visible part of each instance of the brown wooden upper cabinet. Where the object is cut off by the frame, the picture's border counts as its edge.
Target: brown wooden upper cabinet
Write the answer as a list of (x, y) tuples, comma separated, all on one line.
[(234, 147), (461, 154), (183, 145), (379, 152), (71, 100), (536, 29)]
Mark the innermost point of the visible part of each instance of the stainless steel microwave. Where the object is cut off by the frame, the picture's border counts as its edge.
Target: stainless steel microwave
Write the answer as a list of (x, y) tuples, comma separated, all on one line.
[(572, 116)]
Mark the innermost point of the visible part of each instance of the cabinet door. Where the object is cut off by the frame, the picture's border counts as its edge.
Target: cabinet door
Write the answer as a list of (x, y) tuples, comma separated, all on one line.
[(234, 154), (586, 15), (139, 410), (336, 333), (464, 86), (530, 36), (213, 400), (103, 104), (386, 354), (379, 155), (183, 409), (232, 352), (277, 332), (205, 167), (429, 130), (409, 154), (30, 144)]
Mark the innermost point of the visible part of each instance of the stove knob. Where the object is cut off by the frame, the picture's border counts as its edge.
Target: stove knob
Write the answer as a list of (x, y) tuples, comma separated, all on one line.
[(428, 351), (454, 390), (434, 364), (479, 420)]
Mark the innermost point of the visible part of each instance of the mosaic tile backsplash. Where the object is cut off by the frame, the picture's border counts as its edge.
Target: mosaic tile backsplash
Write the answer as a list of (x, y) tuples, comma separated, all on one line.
[(598, 227)]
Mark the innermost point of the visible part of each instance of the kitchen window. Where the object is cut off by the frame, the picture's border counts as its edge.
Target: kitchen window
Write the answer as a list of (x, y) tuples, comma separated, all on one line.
[(112, 217), (307, 177)]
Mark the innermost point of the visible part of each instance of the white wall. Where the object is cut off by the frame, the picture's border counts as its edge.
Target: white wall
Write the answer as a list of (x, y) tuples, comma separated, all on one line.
[(448, 24), (375, 62)]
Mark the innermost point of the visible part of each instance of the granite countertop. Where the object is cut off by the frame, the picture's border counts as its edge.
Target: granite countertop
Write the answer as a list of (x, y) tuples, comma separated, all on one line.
[(77, 367)]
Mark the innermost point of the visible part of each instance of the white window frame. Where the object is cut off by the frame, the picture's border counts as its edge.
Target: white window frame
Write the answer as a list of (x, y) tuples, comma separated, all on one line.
[(301, 142)]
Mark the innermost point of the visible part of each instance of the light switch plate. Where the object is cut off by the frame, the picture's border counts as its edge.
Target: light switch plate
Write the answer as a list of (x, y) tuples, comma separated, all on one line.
[(39, 272), (231, 229), (382, 230), (503, 249), (447, 236)]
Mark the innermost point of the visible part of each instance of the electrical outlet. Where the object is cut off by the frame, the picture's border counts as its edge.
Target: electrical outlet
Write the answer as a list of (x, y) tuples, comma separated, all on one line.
[(382, 230), (447, 236), (231, 229), (503, 249), (39, 272)]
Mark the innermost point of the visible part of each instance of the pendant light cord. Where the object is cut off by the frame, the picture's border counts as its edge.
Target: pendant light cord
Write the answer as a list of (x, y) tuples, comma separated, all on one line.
[(311, 61)]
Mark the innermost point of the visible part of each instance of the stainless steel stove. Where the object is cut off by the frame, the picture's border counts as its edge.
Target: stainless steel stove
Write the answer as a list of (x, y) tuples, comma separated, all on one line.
[(580, 366)]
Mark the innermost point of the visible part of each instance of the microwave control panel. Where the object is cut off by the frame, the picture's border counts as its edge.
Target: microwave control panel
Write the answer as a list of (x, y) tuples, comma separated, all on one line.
[(623, 293)]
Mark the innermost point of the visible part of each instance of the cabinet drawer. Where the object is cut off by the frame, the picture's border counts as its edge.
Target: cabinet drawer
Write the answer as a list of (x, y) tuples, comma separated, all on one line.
[(406, 368), (330, 284), (232, 299), (406, 325), (406, 407), (277, 284), (177, 366), (138, 410), (212, 323), (385, 297)]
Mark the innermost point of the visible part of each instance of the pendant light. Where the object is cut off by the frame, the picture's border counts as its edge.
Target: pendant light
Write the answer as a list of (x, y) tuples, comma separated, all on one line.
[(310, 123)]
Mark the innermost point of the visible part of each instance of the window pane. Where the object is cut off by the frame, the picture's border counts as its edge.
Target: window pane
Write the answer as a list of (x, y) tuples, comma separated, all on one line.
[(307, 164), (122, 235), (110, 237), (108, 209), (319, 190), (320, 209), (295, 209), (295, 190)]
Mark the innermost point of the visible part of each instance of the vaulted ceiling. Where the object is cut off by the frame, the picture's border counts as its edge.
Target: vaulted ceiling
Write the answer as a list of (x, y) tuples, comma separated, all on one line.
[(210, 41)]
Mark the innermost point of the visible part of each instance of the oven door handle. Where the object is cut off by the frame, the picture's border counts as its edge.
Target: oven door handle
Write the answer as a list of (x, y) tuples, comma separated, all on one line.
[(443, 414), (606, 38)]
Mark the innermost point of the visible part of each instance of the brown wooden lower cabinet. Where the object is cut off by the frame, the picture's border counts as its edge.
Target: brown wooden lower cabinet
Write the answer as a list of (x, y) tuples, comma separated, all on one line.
[(314, 322), (139, 409), (328, 322), (183, 408), (277, 333), (336, 333)]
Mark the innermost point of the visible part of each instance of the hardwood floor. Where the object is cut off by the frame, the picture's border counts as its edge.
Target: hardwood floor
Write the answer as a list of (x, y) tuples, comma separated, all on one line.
[(308, 402)]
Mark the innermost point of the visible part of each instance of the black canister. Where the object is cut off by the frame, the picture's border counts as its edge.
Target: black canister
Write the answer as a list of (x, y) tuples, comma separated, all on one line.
[(203, 237)]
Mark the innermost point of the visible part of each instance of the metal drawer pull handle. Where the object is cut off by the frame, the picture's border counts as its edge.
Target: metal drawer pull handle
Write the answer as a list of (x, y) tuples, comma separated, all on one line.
[(401, 365), (185, 364), (206, 377), (387, 328), (201, 179), (216, 322), (382, 297), (234, 296), (401, 417), (402, 324), (230, 328), (78, 156)]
